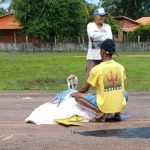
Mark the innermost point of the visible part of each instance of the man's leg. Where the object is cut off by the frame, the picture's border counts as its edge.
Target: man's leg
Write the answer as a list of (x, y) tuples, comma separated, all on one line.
[(117, 116), (88, 100), (90, 64), (79, 98)]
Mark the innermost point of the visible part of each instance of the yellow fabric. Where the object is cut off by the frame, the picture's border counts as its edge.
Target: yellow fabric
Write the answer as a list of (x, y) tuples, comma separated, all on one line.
[(73, 120), (108, 78)]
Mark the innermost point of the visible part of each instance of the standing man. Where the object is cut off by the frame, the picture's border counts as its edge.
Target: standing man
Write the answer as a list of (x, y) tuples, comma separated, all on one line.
[(97, 32)]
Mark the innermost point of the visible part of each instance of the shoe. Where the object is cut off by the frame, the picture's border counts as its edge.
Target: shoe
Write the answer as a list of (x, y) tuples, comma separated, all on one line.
[(116, 118), (109, 119)]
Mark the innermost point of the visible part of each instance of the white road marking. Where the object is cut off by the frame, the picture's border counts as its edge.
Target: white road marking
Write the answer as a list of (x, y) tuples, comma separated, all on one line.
[(11, 136), (27, 98), (7, 138)]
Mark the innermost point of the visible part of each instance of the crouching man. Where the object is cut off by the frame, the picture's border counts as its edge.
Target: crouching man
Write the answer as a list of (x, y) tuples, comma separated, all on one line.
[(108, 79)]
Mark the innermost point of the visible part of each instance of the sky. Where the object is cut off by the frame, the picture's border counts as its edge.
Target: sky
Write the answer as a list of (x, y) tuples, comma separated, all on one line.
[(7, 3), (93, 1)]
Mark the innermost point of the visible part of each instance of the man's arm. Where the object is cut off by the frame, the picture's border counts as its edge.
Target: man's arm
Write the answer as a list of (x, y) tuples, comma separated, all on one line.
[(91, 34), (85, 88), (109, 32), (80, 93)]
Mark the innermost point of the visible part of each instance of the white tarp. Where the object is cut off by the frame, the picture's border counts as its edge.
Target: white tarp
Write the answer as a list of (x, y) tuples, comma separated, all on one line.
[(48, 112)]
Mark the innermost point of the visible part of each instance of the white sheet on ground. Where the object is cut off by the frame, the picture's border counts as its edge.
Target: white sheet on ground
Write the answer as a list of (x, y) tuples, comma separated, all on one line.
[(48, 112)]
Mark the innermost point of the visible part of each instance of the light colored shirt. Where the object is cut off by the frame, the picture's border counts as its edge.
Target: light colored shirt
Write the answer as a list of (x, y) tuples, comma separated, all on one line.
[(108, 78), (96, 35)]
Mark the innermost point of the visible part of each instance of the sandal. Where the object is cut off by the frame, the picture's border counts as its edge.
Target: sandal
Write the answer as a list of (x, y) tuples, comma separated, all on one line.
[(100, 119)]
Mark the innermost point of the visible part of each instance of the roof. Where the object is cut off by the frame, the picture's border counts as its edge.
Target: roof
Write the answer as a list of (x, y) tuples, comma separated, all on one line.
[(9, 22), (143, 20), (126, 18), (129, 29)]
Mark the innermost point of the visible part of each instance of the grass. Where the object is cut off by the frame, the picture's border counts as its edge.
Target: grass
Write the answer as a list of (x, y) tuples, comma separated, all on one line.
[(48, 71)]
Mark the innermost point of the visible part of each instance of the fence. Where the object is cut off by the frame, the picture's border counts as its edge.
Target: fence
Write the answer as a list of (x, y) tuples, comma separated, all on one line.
[(43, 47), (137, 46)]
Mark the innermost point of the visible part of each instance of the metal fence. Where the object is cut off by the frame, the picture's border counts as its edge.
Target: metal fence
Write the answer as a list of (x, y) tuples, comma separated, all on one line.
[(43, 47)]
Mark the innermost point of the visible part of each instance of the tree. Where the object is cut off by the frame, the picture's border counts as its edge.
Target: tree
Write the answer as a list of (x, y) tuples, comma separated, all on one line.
[(142, 33), (50, 18), (113, 23), (130, 8), (2, 11)]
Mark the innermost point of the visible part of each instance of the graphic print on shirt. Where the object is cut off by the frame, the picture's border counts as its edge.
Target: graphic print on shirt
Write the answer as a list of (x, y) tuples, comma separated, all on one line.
[(97, 42), (112, 80)]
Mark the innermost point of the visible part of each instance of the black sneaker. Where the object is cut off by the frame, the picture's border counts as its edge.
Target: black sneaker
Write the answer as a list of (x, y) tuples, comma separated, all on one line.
[(116, 118)]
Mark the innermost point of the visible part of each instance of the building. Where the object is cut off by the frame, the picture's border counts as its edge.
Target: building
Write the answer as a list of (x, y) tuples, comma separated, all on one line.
[(10, 30), (125, 25)]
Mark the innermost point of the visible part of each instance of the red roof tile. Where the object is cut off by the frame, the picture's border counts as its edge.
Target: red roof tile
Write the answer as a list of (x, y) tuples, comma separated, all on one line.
[(143, 20), (126, 18), (9, 22)]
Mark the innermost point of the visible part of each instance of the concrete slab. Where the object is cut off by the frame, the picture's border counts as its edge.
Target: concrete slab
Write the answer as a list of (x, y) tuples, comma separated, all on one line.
[(132, 133)]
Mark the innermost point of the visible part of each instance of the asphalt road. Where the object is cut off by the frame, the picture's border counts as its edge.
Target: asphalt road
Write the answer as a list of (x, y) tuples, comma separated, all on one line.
[(133, 133)]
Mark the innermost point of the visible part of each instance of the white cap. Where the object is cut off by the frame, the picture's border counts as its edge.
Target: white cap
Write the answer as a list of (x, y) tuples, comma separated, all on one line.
[(99, 12)]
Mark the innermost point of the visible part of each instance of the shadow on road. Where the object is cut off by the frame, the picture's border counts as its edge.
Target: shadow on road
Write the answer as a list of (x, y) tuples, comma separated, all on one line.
[(142, 132)]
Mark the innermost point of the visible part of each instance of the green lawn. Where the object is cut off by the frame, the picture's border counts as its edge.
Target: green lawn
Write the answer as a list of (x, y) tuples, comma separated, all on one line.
[(48, 71)]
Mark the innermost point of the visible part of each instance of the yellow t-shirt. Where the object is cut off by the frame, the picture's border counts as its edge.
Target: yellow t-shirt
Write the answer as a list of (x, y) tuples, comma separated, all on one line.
[(108, 78)]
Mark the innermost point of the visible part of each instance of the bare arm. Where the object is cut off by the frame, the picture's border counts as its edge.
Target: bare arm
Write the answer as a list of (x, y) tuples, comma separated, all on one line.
[(85, 88), (80, 93)]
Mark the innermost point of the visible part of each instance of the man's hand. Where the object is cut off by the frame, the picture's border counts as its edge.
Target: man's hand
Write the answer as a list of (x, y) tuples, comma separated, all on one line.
[(77, 95), (73, 94)]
